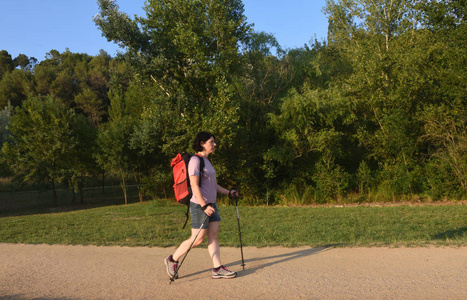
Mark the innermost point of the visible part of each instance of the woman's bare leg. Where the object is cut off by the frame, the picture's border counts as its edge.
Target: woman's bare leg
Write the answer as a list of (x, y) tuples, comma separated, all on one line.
[(185, 245), (213, 243)]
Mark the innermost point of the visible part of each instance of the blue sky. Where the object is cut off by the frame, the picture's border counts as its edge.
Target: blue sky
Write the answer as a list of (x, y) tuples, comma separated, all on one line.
[(34, 27)]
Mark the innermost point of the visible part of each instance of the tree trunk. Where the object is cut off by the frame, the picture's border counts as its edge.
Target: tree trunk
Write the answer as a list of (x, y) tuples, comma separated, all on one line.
[(140, 194), (124, 187), (140, 190), (73, 190), (81, 192), (54, 193), (103, 182)]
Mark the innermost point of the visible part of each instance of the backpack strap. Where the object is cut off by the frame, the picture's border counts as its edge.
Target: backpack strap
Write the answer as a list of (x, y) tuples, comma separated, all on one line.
[(201, 169), (187, 215)]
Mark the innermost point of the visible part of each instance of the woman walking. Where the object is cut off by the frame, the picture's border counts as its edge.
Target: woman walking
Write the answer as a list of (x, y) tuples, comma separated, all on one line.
[(203, 203)]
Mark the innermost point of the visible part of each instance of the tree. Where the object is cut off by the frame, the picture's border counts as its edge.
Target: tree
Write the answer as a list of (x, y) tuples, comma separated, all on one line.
[(146, 104), (54, 76), (443, 14), (310, 142), (184, 44), (190, 50), (447, 165), (5, 116), (6, 63), (15, 87), (89, 103), (40, 142), (81, 163), (24, 62), (265, 78), (444, 115), (113, 153), (378, 39), (94, 86), (78, 80)]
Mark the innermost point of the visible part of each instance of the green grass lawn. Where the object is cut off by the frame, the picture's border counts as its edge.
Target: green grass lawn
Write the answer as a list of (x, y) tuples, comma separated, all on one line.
[(158, 224)]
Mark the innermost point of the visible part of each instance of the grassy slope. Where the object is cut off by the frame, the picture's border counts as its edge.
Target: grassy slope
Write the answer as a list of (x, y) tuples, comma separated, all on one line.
[(153, 224)]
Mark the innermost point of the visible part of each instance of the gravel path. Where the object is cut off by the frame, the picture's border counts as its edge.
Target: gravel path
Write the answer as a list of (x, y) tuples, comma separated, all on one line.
[(89, 272)]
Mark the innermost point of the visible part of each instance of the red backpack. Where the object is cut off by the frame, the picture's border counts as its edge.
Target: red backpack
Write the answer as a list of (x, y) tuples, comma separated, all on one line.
[(182, 187)]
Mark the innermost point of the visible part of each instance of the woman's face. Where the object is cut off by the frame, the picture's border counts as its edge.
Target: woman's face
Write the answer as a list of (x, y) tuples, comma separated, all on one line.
[(209, 146)]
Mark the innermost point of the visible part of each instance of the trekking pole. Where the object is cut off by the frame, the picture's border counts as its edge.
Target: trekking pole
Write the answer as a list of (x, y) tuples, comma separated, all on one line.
[(196, 236), (239, 232)]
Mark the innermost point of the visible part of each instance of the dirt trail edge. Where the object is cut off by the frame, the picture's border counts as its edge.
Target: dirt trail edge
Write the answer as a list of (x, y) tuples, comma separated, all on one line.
[(90, 272)]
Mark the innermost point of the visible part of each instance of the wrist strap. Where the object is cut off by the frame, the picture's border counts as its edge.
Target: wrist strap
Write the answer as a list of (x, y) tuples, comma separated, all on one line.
[(230, 192), (206, 206)]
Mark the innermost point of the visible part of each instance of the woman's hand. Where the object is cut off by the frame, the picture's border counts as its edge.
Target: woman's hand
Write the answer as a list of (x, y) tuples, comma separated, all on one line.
[(233, 193), (208, 209)]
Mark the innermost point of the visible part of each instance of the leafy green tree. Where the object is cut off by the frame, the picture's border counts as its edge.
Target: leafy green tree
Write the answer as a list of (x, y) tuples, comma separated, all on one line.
[(15, 87), (184, 44), (351, 113), (147, 105), (404, 59), (318, 65), (113, 153), (41, 141), (94, 87), (447, 134), (310, 142), (6, 63), (54, 76), (264, 79), (190, 50), (24, 62), (444, 72), (5, 116), (89, 103), (443, 14), (78, 80), (375, 36), (81, 164)]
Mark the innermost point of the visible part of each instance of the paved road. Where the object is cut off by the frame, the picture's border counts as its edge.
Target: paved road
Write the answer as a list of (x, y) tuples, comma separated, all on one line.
[(89, 272)]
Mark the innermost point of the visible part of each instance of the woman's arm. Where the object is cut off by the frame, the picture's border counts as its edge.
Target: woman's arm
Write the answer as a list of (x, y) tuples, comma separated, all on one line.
[(222, 190), (225, 191)]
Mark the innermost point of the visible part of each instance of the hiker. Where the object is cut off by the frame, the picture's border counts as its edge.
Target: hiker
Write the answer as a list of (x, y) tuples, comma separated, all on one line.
[(202, 203)]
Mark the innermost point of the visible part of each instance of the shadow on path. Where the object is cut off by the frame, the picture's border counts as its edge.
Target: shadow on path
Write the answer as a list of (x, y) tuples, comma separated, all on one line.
[(276, 259)]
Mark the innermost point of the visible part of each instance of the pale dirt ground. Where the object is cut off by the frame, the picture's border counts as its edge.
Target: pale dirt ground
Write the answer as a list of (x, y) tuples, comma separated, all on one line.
[(89, 272)]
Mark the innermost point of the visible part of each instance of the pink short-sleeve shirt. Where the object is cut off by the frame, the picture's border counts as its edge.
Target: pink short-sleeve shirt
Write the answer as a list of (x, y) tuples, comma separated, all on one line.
[(208, 182)]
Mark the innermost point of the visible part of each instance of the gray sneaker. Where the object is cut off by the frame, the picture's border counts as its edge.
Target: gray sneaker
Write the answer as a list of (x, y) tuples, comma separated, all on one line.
[(171, 267), (222, 272)]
